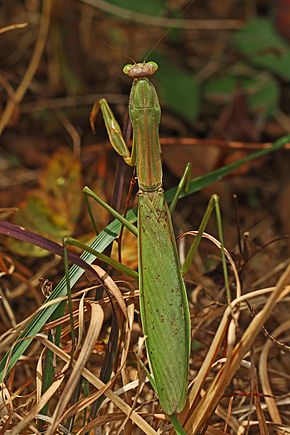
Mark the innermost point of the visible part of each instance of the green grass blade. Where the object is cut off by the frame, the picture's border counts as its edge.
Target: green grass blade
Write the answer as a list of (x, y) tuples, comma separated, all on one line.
[(205, 180)]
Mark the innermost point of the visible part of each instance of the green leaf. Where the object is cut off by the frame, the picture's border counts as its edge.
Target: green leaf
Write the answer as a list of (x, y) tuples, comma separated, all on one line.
[(262, 91), (148, 7), (61, 183), (221, 87), (53, 209), (34, 215), (264, 47), (178, 89), (263, 95)]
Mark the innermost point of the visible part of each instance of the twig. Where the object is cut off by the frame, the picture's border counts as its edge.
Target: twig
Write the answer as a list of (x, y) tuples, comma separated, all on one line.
[(191, 141), (72, 131), (71, 101), (127, 14), (13, 27), (32, 67)]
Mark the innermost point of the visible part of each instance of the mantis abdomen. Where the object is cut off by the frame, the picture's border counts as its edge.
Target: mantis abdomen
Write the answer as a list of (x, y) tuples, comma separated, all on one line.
[(164, 310)]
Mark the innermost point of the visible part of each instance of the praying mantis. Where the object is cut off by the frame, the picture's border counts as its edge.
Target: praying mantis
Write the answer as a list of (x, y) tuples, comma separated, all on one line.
[(163, 300)]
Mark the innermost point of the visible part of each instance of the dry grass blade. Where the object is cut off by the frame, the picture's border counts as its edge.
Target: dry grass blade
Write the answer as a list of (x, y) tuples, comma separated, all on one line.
[(215, 345), (40, 404), (112, 286), (214, 431), (223, 327), (81, 312), (227, 254), (231, 335), (266, 387), (88, 400), (229, 419), (282, 429), (208, 403), (8, 309), (100, 421), (94, 380), (96, 322), (127, 425), (39, 376), (258, 297), (143, 18), (13, 27), (256, 398), (63, 430), (6, 406), (10, 335), (261, 418)]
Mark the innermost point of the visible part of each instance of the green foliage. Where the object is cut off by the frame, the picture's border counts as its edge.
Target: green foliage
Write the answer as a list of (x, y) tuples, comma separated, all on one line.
[(267, 54), (261, 89), (52, 210), (148, 7), (34, 214), (265, 95), (177, 89), (221, 87), (264, 47)]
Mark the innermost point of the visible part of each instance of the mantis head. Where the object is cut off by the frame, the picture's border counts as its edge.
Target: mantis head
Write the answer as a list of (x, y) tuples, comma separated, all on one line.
[(138, 70)]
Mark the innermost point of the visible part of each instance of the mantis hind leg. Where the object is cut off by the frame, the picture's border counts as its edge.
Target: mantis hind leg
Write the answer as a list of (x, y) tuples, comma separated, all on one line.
[(212, 205), (87, 191), (182, 186)]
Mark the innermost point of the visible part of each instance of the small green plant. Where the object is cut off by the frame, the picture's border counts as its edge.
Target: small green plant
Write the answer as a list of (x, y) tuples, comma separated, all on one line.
[(266, 61)]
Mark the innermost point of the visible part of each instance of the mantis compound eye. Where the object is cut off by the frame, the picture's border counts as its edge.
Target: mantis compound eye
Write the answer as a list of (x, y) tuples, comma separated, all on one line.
[(153, 66), (127, 68)]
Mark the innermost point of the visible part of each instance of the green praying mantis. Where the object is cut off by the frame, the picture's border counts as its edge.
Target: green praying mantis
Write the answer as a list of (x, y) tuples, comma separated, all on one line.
[(163, 300)]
